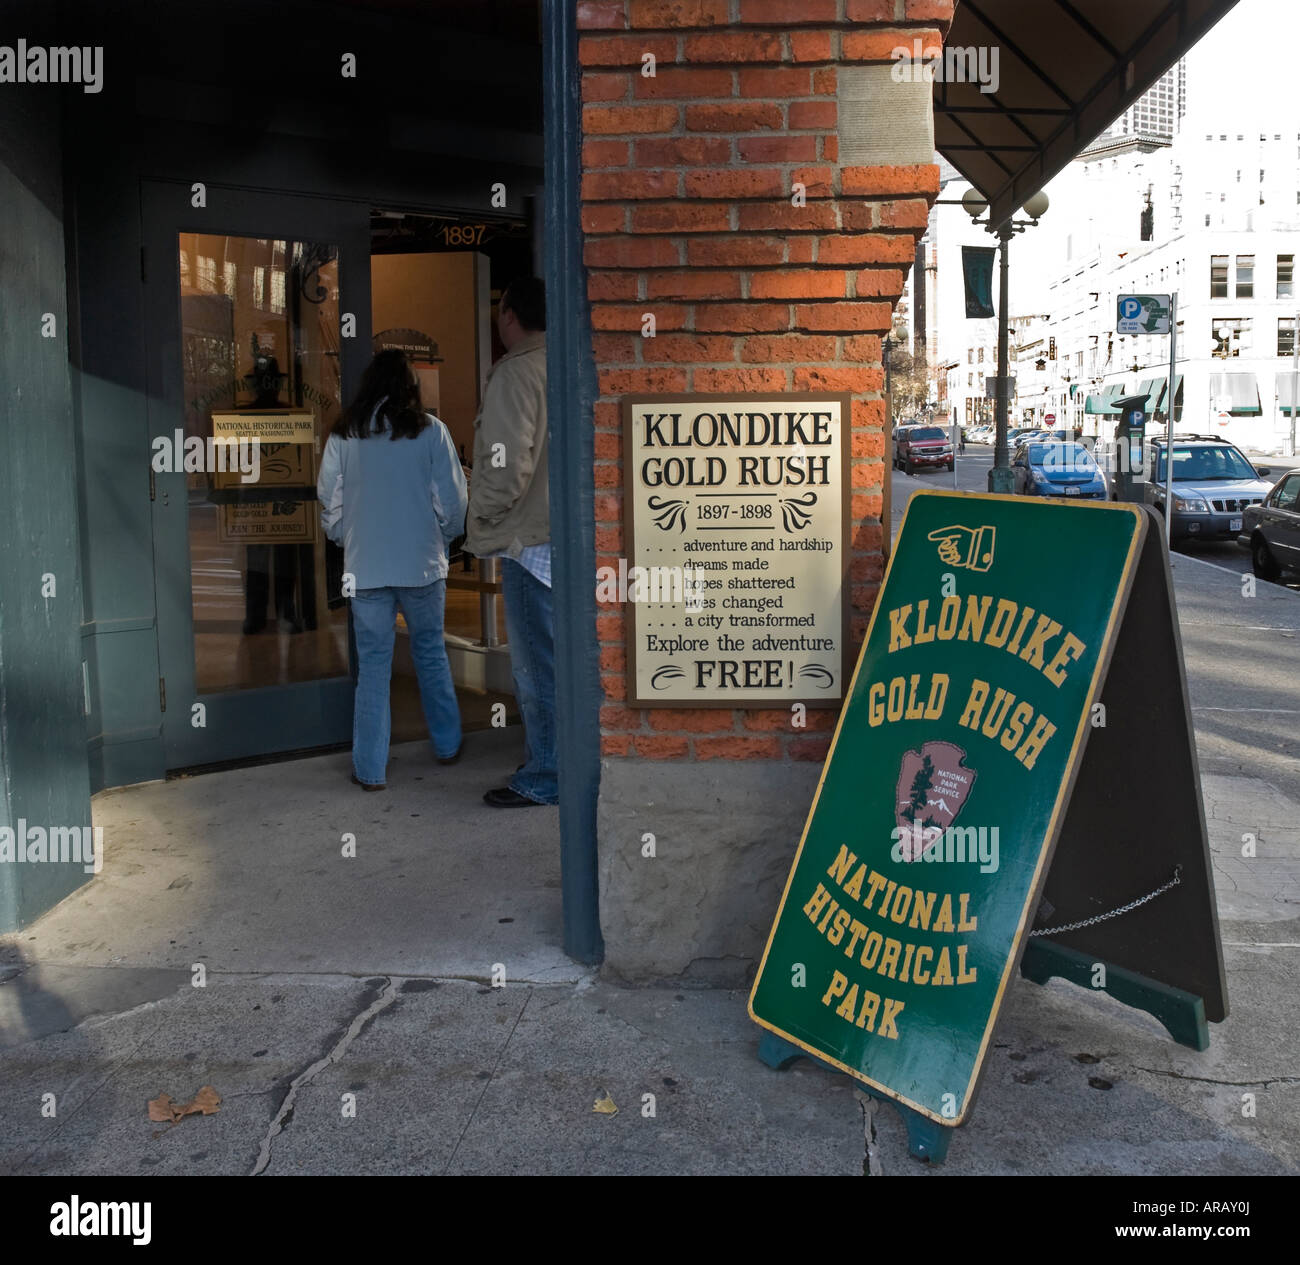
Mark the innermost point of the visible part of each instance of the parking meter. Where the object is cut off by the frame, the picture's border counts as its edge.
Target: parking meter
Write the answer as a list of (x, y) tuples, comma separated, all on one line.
[(1130, 442)]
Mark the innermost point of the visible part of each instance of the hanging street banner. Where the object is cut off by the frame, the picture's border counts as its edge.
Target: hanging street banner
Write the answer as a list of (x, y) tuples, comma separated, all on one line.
[(977, 272), (736, 522), (921, 864)]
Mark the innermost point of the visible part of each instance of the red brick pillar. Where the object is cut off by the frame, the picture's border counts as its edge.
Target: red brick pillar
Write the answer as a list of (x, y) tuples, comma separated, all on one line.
[(690, 214)]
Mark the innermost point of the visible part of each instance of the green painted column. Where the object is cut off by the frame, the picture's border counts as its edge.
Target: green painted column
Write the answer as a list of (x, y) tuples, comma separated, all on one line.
[(43, 769)]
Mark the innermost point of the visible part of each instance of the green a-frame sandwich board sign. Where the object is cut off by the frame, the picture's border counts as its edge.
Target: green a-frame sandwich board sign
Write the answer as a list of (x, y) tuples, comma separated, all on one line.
[(1015, 755)]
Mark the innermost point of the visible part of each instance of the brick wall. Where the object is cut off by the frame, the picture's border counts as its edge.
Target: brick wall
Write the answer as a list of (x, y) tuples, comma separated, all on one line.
[(688, 214)]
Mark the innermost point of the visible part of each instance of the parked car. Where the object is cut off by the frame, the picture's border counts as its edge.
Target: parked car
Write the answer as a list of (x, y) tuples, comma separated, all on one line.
[(1213, 486), (1050, 467), (1016, 433), (922, 446), (1271, 529)]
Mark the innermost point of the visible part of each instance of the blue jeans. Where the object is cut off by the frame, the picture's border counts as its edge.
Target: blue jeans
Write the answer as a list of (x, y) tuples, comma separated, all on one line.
[(374, 617), (530, 629)]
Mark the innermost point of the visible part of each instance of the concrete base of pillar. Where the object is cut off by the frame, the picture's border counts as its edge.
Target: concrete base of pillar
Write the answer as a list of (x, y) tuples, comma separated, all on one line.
[(697, 912)]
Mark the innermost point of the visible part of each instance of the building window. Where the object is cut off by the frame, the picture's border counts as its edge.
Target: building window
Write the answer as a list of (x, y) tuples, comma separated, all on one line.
[(1286, 336), (1285, 276), (1218, 274), (970, 380), (970, 355), (981, 355), (1245, 276), (1232, 336)]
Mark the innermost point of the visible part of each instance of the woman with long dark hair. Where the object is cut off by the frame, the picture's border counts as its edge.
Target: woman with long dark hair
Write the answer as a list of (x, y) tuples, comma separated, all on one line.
[(392, 494)]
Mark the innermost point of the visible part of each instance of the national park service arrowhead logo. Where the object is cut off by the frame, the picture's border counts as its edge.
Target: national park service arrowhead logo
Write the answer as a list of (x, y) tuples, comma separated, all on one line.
[(933, 786)]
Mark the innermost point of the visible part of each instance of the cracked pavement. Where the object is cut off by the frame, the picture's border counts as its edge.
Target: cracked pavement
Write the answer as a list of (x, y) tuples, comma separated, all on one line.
[(348, 1021)]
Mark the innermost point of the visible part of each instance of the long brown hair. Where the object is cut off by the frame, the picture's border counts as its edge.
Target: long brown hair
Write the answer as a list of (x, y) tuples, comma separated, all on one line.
[(389, 383)]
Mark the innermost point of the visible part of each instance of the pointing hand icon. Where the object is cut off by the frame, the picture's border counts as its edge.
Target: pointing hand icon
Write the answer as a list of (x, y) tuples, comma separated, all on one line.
[(970, 547)]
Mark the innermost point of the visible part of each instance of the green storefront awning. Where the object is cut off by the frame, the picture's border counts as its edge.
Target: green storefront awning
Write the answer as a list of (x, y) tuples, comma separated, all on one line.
[(1238, 391), (1100, 404), (1286, 393), (1156, 393)]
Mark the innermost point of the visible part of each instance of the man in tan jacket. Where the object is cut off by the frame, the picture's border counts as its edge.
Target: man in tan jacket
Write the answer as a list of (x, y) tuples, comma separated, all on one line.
[(509, 518)]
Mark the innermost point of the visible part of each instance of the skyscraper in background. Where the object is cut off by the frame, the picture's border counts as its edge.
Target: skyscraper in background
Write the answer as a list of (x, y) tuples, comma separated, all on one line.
[(1159, 111)]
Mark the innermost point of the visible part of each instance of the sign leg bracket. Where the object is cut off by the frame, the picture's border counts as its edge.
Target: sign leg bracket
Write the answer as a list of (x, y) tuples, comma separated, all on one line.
[(926, 1140), (1182, 1013)]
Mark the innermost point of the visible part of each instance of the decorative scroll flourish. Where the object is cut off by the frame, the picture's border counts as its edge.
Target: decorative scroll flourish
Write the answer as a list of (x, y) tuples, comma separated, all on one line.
[(823, 677), (668, 514), (796, 511), (312, 258), (671, 672)]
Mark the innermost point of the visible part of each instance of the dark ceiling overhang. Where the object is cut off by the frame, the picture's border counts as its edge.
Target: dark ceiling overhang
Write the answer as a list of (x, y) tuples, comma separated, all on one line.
[(1066, 70)]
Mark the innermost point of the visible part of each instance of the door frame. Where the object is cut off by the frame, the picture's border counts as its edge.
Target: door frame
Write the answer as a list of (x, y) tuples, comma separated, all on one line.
[(301, 714)]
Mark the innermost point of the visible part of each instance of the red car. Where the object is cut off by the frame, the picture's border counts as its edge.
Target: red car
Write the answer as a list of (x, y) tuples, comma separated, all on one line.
[(920, 446)]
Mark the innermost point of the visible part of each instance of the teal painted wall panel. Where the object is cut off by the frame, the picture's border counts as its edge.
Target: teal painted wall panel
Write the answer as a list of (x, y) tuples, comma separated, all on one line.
[(43, 763)]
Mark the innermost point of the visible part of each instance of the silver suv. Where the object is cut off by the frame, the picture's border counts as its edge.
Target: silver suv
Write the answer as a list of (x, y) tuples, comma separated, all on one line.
[(1213, 484)]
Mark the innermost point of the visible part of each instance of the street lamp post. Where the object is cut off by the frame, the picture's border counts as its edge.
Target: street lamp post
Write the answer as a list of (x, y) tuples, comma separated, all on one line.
[(1001, 478)]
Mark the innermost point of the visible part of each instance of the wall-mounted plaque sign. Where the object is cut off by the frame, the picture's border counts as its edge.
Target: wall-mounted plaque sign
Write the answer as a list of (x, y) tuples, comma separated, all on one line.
[(736, 517), (417, 344)]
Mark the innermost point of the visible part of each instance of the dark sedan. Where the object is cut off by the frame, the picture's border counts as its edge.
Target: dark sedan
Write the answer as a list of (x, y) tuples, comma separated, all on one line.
[(1271, 529)]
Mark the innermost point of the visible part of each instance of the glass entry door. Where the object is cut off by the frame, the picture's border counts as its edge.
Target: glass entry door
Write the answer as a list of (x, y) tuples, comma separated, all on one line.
[(249, 368)]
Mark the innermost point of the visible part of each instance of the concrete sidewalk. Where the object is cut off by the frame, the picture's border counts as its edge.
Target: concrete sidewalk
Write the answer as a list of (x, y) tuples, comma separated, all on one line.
[(348, 1020)]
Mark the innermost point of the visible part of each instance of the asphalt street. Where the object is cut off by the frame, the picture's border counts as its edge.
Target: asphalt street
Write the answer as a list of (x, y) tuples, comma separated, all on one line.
[(1241, 641)]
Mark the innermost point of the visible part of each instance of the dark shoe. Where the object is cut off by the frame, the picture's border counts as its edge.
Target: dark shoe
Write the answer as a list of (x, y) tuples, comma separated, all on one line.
[(455, 755), (504, 797), (368, 786)]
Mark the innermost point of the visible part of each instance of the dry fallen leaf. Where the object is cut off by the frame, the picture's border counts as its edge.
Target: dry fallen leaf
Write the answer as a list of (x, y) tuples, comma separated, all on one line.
[(605, 1105), (165, 1108)]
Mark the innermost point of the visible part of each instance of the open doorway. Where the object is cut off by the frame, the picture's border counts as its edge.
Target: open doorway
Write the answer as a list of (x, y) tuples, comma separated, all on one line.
[(436, 280)]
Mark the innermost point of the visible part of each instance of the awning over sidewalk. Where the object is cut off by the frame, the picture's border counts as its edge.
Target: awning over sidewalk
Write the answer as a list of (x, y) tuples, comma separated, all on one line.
[(1065, 69), (1238, 391), (1286, 393), (1155, 389), (1100, 403)]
